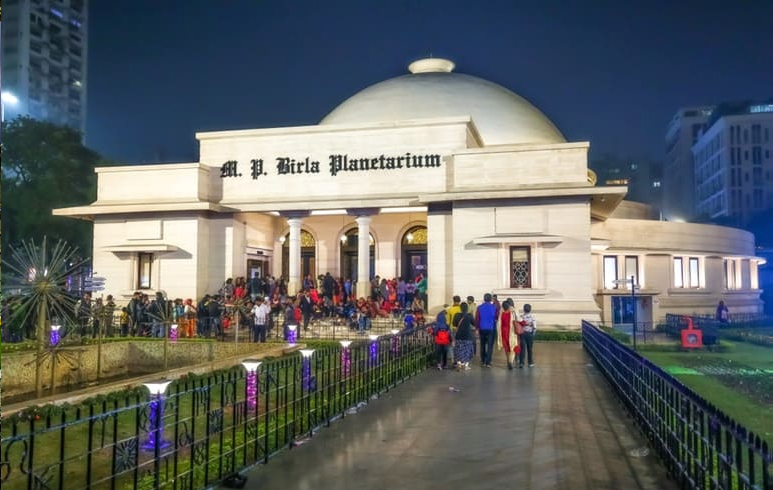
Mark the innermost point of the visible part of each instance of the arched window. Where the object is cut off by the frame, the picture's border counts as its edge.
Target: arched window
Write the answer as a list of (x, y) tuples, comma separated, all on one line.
[(414, 252), (349, 254), (308, 255)]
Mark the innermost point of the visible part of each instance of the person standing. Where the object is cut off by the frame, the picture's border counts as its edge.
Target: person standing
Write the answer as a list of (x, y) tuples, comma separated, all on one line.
[(723, 314), (401, 292), (472, 309), (485, 322), (260, 314), (109, 312), (465, 339), (442, 335), (83, 313), (452, 313), (421, 290), (133, 308), (158, 314), (215, 314), (506, 339), (290, 319), (202, 316), (328, 286), (189, 312), (307, 308), (529, 329)]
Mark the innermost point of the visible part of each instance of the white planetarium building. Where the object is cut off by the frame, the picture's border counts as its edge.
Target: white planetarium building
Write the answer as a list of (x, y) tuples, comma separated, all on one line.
[(432, 172)]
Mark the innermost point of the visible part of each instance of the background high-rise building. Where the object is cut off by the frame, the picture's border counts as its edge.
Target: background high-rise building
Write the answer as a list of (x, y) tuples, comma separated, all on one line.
[(733, 165), (643, 177), (44, 59), (678, 168)]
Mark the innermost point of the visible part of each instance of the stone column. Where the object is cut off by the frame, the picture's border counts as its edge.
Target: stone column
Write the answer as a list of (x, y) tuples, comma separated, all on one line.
[(440, 272), (294, 256), (363, 256)]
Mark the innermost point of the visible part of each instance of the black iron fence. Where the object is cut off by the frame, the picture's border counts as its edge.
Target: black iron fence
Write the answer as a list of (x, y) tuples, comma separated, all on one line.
[(201, 430), (735, 320), (646, 332), (701, 446)]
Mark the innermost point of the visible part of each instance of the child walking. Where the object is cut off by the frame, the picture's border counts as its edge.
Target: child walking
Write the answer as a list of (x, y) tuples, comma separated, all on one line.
[(529, 329), (442, 335)]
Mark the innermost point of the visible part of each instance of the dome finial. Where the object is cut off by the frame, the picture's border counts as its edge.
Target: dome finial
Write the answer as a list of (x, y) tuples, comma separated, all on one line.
[(431, 65)]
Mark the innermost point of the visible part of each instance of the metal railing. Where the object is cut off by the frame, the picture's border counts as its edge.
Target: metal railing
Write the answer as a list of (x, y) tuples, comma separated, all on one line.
[(735, 320), (202, 429), (700, 445)]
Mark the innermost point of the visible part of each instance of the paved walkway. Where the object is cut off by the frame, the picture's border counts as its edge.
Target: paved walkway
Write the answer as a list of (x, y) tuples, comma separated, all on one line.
[(553, 426)]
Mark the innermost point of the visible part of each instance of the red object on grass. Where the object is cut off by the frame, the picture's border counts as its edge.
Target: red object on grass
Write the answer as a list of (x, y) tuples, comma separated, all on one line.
[(692, 338)]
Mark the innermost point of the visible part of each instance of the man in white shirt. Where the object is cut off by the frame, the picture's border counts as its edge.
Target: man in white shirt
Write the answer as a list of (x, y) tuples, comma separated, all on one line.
[(260, 314)]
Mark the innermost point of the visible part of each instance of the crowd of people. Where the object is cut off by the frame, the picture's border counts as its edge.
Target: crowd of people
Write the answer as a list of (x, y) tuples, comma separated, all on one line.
[(461, 330), (459, 324), (257, 304)]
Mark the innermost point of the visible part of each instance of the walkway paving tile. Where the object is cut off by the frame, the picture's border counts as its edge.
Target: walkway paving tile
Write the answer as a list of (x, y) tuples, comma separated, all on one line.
[(554, 426)]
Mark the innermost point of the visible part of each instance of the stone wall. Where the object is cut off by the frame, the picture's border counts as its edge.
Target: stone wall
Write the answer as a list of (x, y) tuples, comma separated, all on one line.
[(77, 366)]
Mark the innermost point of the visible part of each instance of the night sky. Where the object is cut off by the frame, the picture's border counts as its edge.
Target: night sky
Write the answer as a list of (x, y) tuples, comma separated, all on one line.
[(609, 72)]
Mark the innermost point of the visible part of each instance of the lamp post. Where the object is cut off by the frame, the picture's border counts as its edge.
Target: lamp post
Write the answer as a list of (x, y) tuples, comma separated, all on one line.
[(6, 98), (292, 334), (373, 348), (54, 336), (251, 385), (634, 287), (156, 440), (395, 342), (306, 369), (346, 357)]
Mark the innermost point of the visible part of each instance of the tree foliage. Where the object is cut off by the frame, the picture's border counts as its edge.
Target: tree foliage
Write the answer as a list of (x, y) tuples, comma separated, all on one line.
[(45, 166)]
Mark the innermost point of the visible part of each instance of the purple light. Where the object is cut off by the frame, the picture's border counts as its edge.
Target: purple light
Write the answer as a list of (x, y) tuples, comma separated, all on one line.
[(156, 417), (173, 333), (252, 390), (306, 369), (395, 343), (346, 358), (251, 366), (373, 348), (54, 336), (346, 362), (291, 334)]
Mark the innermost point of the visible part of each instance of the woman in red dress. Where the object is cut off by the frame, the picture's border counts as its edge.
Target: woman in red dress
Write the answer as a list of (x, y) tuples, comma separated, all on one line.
[(506, 338)]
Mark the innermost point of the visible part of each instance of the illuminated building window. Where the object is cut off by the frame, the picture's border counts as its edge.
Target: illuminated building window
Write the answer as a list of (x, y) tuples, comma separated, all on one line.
[(144, 269), (610, 272)]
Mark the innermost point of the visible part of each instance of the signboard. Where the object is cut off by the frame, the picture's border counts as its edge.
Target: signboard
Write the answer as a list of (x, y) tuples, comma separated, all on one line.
[(94, 283), (336, 164)]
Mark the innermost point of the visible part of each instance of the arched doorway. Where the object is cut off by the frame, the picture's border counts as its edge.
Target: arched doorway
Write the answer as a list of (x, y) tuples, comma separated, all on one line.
[(349, 255), (414, 252), (308, 255)]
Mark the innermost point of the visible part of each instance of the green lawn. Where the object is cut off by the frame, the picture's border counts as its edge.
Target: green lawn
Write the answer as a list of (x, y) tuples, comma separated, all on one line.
[(739, 381)]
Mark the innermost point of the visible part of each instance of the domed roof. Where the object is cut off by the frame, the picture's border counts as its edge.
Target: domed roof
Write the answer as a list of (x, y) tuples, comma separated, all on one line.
[(431, 90)]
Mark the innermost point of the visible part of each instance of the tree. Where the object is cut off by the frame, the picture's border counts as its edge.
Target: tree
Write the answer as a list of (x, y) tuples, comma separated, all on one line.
[(45, 166)]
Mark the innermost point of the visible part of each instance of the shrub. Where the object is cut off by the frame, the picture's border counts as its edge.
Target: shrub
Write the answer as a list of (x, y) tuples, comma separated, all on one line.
[(559, 335)]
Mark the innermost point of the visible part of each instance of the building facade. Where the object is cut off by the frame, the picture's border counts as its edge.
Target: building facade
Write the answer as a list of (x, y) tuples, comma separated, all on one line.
[(434, 173), (678, 168), (45, 59), (733, 165)]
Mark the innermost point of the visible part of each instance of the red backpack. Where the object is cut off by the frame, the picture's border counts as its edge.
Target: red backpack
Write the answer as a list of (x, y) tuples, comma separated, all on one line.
[(443, 337)]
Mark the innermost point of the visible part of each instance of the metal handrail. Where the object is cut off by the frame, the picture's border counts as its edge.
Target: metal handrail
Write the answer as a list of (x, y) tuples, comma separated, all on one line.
[(700, 445)]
